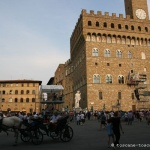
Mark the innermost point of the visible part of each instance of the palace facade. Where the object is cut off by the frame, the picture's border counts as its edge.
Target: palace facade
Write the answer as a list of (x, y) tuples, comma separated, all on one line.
[(110, 59)]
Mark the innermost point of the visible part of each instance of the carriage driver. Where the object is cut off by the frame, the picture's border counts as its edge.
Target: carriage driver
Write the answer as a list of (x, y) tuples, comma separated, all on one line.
[(53, 120)]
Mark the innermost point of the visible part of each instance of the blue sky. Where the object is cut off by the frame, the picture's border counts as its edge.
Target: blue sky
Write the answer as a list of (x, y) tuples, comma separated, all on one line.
[(35, 34)]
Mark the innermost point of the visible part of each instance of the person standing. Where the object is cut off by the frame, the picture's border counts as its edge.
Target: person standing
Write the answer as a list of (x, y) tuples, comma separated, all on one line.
[(89, 115), (116, 123)]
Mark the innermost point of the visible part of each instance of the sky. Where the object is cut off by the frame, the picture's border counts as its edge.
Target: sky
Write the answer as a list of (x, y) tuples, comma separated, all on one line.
[(35, 34)]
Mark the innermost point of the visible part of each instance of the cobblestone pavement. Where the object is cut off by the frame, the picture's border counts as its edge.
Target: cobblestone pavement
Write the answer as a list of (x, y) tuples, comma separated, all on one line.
[(87, 137)]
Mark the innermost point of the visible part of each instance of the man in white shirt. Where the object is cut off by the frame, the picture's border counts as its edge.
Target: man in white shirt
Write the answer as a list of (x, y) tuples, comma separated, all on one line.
[(55, 117), (82, 116)]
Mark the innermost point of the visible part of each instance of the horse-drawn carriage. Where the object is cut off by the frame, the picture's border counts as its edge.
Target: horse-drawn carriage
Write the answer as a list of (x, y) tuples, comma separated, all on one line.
[(35, 132)]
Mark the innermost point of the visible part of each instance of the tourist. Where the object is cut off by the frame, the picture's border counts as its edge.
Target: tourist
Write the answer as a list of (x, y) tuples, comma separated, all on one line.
[(116, 123), (103, 121), (110, 133), (78, 118)]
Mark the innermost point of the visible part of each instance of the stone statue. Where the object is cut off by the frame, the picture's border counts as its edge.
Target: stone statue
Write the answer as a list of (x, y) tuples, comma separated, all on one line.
[(77, 99)]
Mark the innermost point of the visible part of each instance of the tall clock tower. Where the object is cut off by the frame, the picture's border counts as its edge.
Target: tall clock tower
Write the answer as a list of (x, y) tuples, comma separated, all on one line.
[(137, 9)]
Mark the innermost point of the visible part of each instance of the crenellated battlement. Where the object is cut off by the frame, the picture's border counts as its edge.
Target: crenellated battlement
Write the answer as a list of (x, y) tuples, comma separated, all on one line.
[(68, 62), (106, 15)]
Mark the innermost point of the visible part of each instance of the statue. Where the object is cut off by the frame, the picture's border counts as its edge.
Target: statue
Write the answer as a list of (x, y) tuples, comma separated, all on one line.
[(77, 99)]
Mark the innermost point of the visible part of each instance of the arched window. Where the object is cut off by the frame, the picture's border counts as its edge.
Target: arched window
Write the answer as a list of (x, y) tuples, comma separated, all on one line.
[(121, 79), (94, 52), (27, 100), (33, 100), (129, 54), (27, 92), (108, 39), (119, 26), (96, 78), (133, 41), (104, 38), (10, 92), (93, 37), (128, 41), (16, 100), (22, 92), (107, 53), (3, 100), (99, 38), (112, 25), (118, 54), (97, 24), (123, 40), (21, 100), (126, 27), (105, 24), (3, 92), (139, 28), (108, 78), (33, 91), (146, 29), (16, 91), (143, 55), (88, 38), (132, 27)]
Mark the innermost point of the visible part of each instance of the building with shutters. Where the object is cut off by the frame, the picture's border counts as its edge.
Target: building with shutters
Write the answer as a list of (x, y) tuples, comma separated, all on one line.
[(20, 95)]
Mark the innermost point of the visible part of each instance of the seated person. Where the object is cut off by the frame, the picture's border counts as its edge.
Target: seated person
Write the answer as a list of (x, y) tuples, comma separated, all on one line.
[(54, 119)]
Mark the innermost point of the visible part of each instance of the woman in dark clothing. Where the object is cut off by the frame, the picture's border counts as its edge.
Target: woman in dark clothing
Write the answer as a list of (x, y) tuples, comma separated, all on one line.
[(116, 123)]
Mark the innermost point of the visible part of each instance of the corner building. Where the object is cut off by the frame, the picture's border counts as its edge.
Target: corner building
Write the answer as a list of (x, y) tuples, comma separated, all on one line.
[(20, 95), (110, 59)]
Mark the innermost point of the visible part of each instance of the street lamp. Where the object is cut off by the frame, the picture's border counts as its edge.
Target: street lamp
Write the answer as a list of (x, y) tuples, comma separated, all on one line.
[(104, 107), (118, 104), (35, 103)]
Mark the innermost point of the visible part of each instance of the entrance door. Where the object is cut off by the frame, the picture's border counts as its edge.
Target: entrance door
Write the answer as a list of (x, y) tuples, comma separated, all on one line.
[(133, 107)]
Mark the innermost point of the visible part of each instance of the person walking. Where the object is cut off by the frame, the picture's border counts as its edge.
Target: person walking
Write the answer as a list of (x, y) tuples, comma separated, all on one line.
[(78, 119), (110, 132), (103, 121), (116, 123), (130, 117), (82, 116)]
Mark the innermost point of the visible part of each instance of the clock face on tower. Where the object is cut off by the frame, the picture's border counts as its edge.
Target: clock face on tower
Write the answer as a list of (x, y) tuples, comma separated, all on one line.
[(140, 13)]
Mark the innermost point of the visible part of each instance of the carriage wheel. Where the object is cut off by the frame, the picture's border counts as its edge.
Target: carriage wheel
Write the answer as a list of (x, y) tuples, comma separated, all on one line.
[(37, 137), (66, 134), (25, 136)]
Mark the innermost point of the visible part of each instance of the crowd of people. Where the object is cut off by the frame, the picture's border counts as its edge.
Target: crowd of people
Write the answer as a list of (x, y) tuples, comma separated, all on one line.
[(110, 121)]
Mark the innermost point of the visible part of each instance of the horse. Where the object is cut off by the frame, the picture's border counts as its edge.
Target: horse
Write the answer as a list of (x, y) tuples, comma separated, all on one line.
[(8, 123)]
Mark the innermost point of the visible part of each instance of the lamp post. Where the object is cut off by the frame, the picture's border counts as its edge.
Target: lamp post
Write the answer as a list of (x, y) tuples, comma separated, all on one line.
[(118, 104), (35, 103), (104, 108)]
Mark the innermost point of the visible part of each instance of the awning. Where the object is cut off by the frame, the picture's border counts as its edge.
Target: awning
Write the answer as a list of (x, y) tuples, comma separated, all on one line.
[(51, 88)]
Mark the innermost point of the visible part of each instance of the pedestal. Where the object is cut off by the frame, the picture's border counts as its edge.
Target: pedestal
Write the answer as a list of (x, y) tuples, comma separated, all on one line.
[(78, 109)]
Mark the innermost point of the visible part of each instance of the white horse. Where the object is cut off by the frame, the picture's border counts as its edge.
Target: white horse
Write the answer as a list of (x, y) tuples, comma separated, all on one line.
[(12, 122)]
